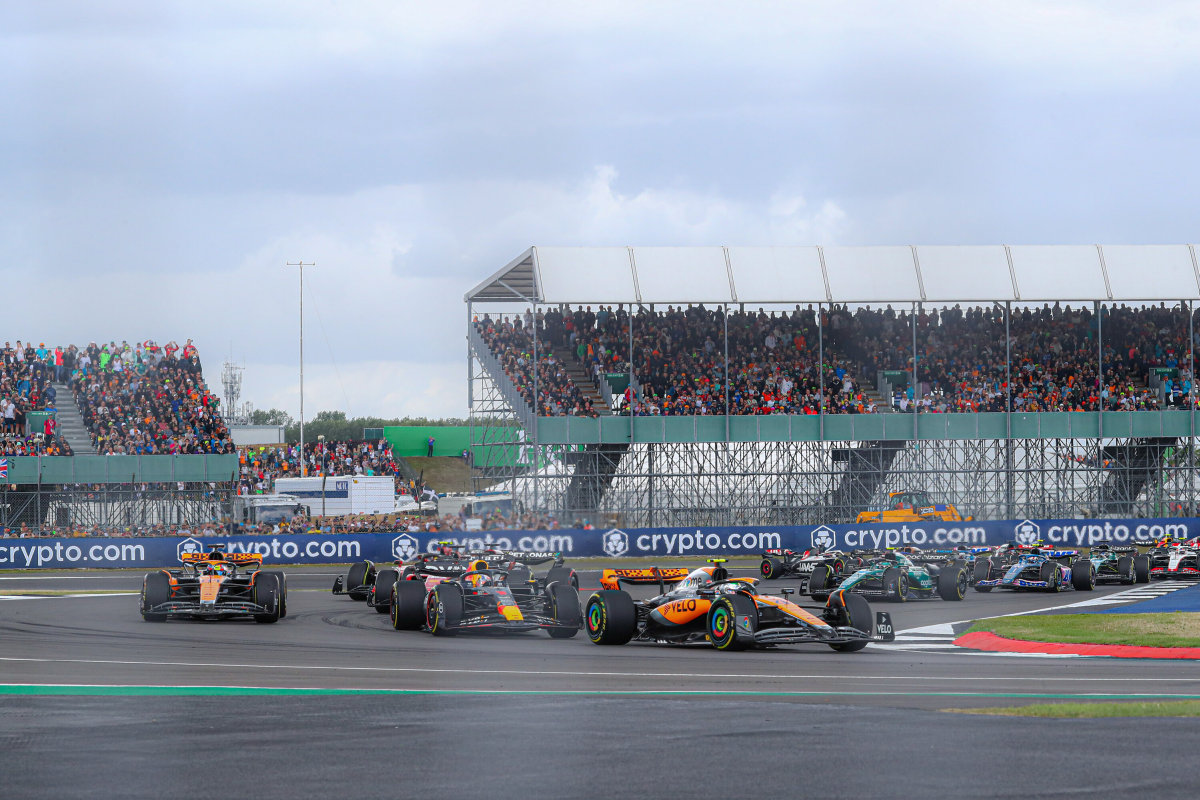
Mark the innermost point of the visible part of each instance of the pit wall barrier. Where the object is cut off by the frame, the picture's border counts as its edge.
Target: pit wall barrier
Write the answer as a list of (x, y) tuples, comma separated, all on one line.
[(95, 552)]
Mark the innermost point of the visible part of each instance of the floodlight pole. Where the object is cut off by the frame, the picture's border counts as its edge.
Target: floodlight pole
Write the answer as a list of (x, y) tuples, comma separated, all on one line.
[(302, 265)]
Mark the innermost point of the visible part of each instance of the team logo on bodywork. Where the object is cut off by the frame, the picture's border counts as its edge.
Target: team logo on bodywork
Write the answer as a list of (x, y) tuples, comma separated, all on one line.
[(823, 537), (1026, 532), (404, 547), (616, 543), (190, 546)]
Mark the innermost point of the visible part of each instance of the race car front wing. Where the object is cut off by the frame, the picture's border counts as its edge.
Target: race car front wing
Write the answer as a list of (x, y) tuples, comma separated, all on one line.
[(196, 608)]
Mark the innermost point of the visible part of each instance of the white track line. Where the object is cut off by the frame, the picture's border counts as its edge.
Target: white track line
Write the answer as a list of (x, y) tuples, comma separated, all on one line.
[(569, 673)]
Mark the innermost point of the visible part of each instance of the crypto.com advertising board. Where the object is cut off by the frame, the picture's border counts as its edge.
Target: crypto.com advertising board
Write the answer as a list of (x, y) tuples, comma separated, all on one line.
[(612, 543)]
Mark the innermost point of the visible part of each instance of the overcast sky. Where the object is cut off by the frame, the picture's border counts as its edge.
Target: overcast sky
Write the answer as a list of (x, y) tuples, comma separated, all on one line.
[(161, 161)]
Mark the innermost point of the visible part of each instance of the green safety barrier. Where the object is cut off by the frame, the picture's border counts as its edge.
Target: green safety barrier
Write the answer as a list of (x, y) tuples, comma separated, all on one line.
[(122, 469), (863, 427)]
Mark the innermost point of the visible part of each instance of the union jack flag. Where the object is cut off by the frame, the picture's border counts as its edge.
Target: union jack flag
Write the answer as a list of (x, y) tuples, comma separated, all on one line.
[(3, 468)]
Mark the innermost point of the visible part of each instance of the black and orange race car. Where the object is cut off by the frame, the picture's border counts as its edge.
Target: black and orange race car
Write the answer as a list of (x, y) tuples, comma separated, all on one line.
[(707, 606), (483, 598), (215, 585)]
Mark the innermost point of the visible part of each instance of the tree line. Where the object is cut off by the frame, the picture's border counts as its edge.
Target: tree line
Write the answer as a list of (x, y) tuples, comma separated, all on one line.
[(335, 426)]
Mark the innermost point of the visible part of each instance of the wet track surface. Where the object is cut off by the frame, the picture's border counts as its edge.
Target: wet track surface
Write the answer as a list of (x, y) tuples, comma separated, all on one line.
[(688, 717)]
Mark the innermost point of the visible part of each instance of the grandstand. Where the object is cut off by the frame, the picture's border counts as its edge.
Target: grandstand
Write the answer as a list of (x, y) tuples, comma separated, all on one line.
[(742, 385), (130, 436)]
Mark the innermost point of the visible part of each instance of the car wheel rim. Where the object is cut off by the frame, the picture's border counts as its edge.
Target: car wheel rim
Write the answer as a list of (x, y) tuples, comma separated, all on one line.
[(595, 618), (720, 626)]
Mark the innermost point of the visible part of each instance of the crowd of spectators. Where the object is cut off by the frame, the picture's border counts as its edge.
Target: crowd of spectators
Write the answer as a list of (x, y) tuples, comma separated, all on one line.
[(809, 360), (27, 376), (363, 523), (261, 465), (510, 341), (146, 399)]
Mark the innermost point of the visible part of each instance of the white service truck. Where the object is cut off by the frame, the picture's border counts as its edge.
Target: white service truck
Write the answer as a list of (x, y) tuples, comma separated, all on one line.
[(335, 496), (269, 509)]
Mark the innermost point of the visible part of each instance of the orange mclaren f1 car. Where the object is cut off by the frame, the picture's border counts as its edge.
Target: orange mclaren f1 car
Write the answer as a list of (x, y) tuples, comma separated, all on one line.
[(215, 585), (706, 605)]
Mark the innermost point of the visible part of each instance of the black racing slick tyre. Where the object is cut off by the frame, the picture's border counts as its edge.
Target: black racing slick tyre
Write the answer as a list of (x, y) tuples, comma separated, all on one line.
[(895, 585), (723, 615), (282, 591), (381, 592), (444, 609), (562, 575), (982, 572), (359, 575), (156, 589), (1049, 574), (1125, 570), (1083, 575), (771, 568), (610, 617), (407, 605), (1141, 569), (267, 594), (564, 608), (952, 582), (818, 582), (851, 610)]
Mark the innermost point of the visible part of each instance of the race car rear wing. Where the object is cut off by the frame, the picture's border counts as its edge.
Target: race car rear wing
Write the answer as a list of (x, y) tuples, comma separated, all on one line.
[(237, 559), (529, 559), (613, 578)]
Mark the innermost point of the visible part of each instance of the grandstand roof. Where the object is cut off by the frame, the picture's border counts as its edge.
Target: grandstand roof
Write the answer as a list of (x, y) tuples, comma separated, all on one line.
[(893, 274)]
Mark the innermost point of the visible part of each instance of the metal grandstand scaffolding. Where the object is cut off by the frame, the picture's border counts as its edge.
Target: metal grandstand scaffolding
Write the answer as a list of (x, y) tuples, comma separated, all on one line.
[(118, 491), (702, 471)]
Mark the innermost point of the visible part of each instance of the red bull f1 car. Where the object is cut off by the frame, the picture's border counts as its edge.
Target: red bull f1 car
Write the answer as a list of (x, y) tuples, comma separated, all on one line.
[(215, 586), (361, 580), (706, 606), (445, 599)]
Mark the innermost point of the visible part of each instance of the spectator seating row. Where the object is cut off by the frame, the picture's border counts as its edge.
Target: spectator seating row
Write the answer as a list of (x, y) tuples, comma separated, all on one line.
[(799, 362), (262, 465), (146, 399)]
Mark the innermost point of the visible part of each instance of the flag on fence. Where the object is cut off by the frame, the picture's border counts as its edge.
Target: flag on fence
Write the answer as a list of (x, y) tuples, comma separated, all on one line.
[(3, 468)]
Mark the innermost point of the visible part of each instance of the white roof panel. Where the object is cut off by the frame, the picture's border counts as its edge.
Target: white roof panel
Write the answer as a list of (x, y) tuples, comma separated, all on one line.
[(871, 274), (1058, 272), (585, 275), (682, 274), (1042, 273), (965, 274), (775, 274), (1150, 272)]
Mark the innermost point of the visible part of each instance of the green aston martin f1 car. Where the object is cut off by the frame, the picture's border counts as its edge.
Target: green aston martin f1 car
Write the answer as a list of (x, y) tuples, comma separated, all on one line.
[(893, 576)]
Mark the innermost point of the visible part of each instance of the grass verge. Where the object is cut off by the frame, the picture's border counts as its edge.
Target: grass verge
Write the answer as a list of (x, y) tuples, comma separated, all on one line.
[(1173, 708), (1177, 629)]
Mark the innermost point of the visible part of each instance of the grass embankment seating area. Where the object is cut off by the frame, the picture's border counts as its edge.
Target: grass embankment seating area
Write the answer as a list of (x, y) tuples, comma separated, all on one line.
[(1177, 629)]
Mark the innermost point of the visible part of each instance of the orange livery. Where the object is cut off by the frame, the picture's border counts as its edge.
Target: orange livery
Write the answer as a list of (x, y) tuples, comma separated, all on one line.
[(707, 605), (215, 585)]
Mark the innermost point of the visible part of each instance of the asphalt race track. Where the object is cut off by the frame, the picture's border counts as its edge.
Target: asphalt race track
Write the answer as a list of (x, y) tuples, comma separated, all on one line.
[(94, 702)]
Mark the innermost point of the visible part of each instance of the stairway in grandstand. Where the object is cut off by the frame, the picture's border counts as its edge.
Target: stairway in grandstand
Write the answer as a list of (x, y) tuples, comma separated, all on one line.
[(883, 405), (582, 380), (70, 422)]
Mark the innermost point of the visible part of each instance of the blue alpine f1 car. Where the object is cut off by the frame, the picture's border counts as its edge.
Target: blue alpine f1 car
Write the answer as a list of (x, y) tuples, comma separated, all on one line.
[(1037, 570)]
